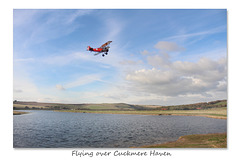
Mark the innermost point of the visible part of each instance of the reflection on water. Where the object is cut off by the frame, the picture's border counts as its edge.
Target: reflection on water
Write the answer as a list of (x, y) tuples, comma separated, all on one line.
[(48, 129)]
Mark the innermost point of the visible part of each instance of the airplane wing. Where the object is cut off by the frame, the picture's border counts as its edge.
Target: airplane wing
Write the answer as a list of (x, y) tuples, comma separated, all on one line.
[(96, 54), (107, 43)]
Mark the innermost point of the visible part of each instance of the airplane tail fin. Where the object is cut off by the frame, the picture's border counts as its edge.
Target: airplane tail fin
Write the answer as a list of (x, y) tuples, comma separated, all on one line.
[(89, 48)]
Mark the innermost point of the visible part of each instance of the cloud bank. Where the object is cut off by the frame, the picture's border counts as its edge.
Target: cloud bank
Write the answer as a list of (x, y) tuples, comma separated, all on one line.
[(205, 77)]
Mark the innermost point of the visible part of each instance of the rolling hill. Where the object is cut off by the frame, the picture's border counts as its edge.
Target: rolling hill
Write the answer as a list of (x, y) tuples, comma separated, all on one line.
[(20, 105)]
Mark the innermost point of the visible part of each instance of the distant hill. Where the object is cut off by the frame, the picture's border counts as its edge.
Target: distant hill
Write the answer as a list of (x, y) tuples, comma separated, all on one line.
[(198, 106), (17, 105)]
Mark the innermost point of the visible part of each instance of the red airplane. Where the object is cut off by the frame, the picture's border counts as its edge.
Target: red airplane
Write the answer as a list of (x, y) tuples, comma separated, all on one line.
[(103, 49)]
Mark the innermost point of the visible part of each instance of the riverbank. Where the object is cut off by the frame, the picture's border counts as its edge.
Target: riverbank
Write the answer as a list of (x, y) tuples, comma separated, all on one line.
[(19, 113), (218, 140), (217, 113)]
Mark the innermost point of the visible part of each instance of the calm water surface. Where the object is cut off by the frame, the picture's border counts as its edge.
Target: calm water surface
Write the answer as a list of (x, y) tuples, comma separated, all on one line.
[(48, 129)]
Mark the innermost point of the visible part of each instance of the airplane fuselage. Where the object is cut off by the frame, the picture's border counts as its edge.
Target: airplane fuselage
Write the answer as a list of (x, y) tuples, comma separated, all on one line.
[(100, 50)]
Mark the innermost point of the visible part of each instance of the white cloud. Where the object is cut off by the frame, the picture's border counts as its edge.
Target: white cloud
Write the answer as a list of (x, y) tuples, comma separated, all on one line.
[(17, 90), (161, 60), (145, 52), (83, 80), (37, 26), (23, 17), (64, 59), (130, 62), (181, 78), (60, 87), (112, 28), (152, 76), (24, 60), (24, 89), (78, 13), (168, 46), (202, 33), (174, 79)]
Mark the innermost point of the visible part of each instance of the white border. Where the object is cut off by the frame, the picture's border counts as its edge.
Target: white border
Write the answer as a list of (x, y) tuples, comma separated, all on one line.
[(6, 37)]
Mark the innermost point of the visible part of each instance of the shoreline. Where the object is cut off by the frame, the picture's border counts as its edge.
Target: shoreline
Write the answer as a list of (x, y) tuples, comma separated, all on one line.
[(19, 113), (208, 116), (211, 140), (145, 113)]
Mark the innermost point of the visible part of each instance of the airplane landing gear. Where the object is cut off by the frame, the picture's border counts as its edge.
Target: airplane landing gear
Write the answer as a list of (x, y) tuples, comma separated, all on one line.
[(103, 55)]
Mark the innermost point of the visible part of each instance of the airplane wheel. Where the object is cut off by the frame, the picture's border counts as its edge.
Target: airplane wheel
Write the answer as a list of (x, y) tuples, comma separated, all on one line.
[(103, 55), (106, 53)]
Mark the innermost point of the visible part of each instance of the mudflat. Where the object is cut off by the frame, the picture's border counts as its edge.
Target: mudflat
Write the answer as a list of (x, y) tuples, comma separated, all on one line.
[(19, 112)]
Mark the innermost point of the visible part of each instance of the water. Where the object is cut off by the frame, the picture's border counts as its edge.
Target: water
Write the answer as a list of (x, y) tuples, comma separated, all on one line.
[(48, 129)]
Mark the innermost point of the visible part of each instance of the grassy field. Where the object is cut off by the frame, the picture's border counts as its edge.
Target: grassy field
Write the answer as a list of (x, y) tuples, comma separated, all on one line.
[(22, 106), (220, 113), (218, 140)]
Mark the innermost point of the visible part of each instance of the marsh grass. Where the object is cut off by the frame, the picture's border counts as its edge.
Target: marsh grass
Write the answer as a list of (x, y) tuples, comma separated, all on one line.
[(218, 140)]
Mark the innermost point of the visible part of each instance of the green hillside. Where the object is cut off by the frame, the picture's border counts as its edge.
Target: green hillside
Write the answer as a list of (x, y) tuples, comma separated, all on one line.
[(17, 105)]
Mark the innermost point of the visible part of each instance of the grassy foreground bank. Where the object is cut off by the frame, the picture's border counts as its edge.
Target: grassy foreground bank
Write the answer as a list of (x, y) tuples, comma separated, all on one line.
[(218, 140)]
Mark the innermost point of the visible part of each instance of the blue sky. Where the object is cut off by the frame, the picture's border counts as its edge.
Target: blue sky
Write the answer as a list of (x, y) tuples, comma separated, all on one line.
[(159, 57)]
